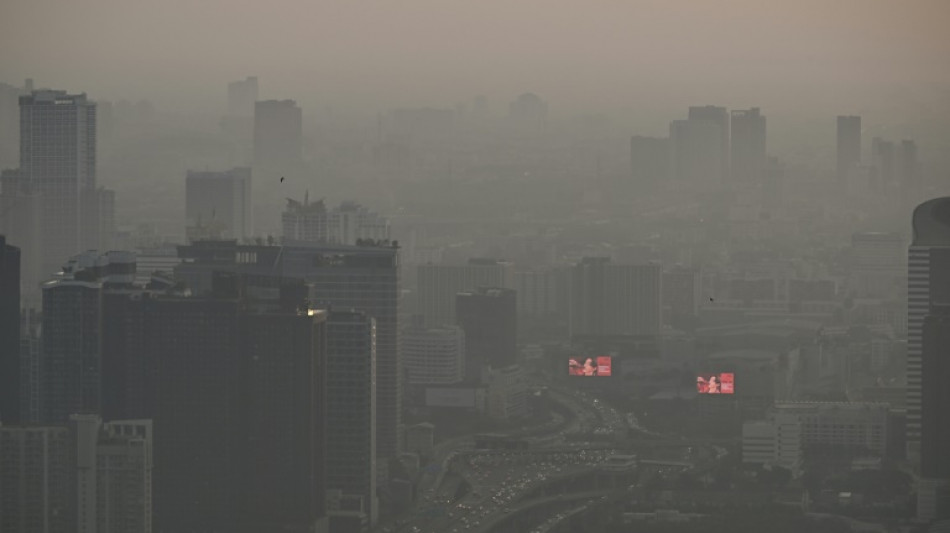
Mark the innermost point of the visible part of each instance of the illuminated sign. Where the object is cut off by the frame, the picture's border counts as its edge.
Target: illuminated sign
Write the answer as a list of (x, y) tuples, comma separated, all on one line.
[(590, 366), (723, 383)]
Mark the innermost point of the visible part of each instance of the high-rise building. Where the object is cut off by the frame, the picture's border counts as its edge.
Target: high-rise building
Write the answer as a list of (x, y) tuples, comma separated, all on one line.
[(218, 204), (364, 278), (720, 117), (58, 160), (9, 332), (432, 355), (438, 285), (928, 284), (351, 409), (775, 441), (278, 133), (349, 223), (649, 160), (242, 95), (748, 159), (543, 292), (488, 316), (928, 342), (849, 148), (79, 476), (71, 366), (696, 154), (614, 299), (908, 167)]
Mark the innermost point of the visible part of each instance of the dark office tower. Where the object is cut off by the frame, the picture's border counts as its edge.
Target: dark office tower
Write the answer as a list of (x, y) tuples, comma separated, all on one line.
[(695, 154), (720, 117), (241, 97), (283, 408), (351, 412), (935, 395), (193, 352), (849, 148), (58, 160), (928, 284), (649, 160), (748, 160), (9, 333), (528, 113), (365, 278), (614, 299), (72, 325), (438, 285), (488, 316), (218, 204), (278, 131)]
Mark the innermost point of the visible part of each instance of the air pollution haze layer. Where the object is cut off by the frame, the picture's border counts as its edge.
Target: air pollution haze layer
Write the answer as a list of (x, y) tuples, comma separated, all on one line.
[(785, 56)]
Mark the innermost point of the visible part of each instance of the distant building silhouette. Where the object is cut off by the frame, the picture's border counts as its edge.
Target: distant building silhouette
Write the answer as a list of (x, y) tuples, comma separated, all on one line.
[(10, 125), (720, 117), (438, 285), (748, 157), (613, 299), (849, 148), (219, 204), (278, 133), (242, 95), (696, 154)]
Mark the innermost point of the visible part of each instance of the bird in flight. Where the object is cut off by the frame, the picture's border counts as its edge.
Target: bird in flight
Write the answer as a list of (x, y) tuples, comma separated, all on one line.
[(711, 299), (281, 179)]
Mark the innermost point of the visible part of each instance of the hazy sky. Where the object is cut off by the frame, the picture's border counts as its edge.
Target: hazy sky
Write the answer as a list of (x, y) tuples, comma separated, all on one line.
[(585, 54)]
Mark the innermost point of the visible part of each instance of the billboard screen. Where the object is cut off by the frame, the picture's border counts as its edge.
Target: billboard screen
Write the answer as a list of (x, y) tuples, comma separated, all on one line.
[(590, 366), (723, 383)]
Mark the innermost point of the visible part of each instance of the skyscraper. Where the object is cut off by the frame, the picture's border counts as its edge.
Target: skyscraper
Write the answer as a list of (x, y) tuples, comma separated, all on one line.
[(241, 97), (218, 204), (438, 285), (348, 223), (928, 284), (432, 355), (364, 278), (649, 160), (351, 408), (9, 125), (614, 299), (720, 117), (928, 432), (849, 148), (81, 475), (488, 316), (58, 161), (696, 154), (748, 158), (9, 332), (278, 132)]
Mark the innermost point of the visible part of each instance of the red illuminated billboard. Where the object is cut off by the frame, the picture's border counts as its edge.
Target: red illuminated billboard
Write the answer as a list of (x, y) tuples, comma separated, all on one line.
[(590, 366), (723, 383)]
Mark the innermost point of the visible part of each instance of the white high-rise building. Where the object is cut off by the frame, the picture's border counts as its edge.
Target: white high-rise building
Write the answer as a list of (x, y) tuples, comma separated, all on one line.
[(433, 355), (349, 223), (777, 441)]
